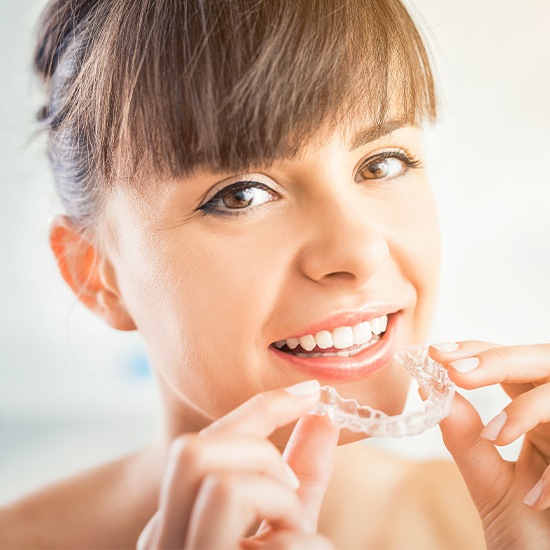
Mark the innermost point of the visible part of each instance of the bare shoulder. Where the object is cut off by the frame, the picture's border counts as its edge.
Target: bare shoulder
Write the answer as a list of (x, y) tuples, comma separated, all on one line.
[(378, 500), (105, 507)]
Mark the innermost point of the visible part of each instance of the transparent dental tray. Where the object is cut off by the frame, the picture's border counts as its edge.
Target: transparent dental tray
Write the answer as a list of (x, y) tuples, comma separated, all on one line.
[(433, 383)]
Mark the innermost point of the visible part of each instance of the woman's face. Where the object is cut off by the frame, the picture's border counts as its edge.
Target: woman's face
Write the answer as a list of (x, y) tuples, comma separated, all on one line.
[(225, 274)]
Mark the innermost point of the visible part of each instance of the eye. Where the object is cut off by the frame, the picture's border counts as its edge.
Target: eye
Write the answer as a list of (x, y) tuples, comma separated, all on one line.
[(386, 165), (237, 197)]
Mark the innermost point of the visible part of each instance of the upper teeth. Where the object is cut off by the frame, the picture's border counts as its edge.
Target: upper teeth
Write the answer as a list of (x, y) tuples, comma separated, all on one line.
[(340, 338)]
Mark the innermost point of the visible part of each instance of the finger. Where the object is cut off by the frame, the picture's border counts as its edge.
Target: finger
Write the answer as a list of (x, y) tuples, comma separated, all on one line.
[(192, 457), (149, 536), (258, 417), (228, 504), (265, 412), (477, 364), (524, 413), (450, 351), (310, 453), (486, 474), (538, 498)]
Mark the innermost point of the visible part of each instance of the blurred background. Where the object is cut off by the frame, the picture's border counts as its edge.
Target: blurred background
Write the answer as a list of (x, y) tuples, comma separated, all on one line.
[(74, 392)]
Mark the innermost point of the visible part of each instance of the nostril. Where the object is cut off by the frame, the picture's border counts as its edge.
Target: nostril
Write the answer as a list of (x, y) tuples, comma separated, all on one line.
[(340, 275)]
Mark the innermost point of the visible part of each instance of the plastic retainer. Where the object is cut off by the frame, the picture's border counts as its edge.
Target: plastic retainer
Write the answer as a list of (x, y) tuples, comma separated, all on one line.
[(432, 380)]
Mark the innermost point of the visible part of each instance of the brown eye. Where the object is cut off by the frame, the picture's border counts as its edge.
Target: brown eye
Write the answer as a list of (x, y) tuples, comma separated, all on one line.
[(379, 168), (242, 198), (239, 196), (238, 199)]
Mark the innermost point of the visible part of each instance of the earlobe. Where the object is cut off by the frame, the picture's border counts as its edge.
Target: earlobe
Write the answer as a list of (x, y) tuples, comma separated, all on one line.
[(88, 273)]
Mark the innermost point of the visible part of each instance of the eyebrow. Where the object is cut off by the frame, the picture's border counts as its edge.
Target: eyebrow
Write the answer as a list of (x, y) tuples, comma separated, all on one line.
[(367, 135)]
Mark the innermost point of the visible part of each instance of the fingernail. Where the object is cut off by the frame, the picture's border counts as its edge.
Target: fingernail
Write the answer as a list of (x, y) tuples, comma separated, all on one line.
[(491, 431), (303, 388), (533, 496), (445, 346), (465, 365), (291, 477)]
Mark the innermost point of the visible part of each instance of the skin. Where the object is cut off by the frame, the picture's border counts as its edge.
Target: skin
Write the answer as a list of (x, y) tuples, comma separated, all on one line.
[(514, 513), (210, 294)]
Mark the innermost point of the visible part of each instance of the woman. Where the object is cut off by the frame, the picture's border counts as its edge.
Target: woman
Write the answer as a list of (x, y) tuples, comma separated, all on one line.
[(244, 185)]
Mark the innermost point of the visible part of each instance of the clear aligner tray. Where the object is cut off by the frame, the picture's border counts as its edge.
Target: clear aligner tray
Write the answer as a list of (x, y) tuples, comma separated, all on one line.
[(433, 382)]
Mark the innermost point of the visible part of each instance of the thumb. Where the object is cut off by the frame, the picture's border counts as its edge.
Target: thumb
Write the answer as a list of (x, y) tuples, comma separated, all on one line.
[(310, 453), (486, 474)]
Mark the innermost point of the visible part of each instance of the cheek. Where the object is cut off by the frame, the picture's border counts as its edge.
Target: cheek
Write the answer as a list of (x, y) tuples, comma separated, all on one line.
[(201, 310), (416, 245)]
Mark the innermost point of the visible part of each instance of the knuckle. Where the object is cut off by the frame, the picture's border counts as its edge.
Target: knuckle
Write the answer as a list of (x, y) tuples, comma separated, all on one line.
[(179, 444), (270, 449), (263, 406), (500, 356), (185, 449), (258, 401), (220, 486)]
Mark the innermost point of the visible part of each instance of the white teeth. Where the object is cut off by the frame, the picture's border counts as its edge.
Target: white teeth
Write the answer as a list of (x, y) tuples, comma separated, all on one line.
[(342, 337), (292, 343), (307, 342), (362, 333), (347, 353), (379, 325), (324, 339)]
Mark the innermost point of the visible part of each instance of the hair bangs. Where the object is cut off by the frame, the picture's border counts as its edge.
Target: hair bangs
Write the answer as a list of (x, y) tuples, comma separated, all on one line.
[(151, 90), (238, 83)]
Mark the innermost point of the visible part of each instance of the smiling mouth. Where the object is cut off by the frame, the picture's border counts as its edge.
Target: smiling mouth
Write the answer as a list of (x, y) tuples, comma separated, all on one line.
[(345, 341)]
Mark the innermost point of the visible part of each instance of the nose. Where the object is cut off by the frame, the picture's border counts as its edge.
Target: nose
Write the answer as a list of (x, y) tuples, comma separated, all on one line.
[(343, 246)]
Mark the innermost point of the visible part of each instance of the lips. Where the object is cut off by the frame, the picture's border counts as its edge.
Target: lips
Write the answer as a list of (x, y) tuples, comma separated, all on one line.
[(342, 362)]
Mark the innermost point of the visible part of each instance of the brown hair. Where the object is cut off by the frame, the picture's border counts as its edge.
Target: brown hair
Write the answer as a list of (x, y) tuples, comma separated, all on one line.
[(158, 87)]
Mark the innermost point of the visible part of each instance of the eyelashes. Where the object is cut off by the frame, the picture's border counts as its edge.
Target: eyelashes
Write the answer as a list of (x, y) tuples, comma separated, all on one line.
[(244, 196), (387, 164), (238, 197)]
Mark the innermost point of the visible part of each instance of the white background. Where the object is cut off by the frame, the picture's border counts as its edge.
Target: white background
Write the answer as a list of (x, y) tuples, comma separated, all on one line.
[(73, 392)]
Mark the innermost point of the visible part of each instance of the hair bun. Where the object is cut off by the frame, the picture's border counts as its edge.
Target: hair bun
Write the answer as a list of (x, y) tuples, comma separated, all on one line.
[(58, 22)]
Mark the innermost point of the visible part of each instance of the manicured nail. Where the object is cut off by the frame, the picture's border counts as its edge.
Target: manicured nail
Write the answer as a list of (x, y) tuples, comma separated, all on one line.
[(491, 431), (291, 477), (303, 388), (533, 496), (465, 365), (445, 346)]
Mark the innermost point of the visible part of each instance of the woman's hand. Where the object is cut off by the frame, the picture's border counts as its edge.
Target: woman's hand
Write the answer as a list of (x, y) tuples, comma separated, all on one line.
[(221, 482), (513, 499)]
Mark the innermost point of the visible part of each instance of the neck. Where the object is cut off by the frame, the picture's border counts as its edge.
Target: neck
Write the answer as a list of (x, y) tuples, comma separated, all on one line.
[(178, 415)]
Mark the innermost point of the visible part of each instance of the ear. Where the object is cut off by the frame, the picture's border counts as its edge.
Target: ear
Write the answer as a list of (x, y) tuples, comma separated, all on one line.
[(90, 275)]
